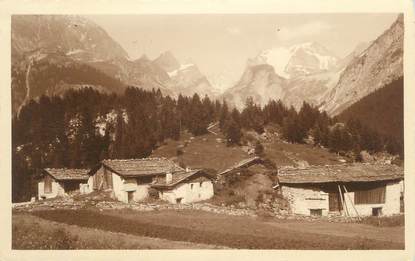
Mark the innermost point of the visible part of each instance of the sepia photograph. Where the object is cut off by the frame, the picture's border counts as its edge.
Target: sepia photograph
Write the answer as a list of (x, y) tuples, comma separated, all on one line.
[(272, 131)]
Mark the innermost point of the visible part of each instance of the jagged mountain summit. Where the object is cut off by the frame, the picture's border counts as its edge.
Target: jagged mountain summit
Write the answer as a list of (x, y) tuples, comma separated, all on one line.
[(259, 82), (186, 78), (309, 72), (303, 72)]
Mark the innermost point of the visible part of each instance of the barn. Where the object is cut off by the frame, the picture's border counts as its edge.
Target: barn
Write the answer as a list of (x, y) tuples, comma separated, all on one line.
[(358, 189), (131, 180), (185, 186), (61, 182)]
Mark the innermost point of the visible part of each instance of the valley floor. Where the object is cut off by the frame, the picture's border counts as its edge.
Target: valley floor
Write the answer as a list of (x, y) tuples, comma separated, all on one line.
[(173, 229)]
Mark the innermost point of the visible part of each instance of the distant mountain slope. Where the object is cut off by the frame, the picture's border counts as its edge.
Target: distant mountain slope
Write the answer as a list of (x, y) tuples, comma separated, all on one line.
[(309, 70), (378, 65), (71, 35), (259, 82), (55, 74), (60, 47), (186, 79), (381, 110)]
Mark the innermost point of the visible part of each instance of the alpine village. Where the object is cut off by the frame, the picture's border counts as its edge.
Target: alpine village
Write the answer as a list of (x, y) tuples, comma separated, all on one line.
[(114, 153)]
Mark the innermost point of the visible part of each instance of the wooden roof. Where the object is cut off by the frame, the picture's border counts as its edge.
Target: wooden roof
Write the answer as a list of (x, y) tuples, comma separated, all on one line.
[(141, 167), (241, 164), (355, 172), (68, 174), (178, 177)]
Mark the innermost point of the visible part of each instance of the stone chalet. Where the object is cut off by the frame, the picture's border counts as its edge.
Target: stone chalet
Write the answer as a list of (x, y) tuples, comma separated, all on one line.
[(60, 182), (131, 179), (349, 189)]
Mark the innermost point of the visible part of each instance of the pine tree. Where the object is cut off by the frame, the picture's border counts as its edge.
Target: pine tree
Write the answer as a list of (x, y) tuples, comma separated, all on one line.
[(233, 132)]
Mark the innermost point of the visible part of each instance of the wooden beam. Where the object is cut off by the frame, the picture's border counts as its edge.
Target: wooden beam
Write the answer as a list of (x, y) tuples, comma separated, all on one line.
[(342, 200), (354, 207)]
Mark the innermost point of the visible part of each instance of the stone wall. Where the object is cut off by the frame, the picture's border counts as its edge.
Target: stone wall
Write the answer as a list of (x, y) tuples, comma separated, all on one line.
[(301, 200)]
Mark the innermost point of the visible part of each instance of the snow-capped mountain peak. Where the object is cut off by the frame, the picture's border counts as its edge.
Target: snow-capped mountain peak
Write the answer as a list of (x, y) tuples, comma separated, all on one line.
[(301, 59)]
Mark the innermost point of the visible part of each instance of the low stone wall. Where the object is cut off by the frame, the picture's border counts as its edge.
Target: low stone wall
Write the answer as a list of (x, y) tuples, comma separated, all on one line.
[(101, 205)]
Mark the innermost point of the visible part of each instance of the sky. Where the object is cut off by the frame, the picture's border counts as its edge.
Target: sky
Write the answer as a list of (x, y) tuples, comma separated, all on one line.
[(221, 44)]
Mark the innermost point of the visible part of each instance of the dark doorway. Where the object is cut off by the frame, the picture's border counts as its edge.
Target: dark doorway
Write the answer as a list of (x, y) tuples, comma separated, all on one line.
[(71, 186), (130, 196), (335, 202), (179, 200)]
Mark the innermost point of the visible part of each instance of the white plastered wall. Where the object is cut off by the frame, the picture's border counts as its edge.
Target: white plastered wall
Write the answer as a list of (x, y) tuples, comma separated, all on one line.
[(57, 190), (188, 192), (122, 186)]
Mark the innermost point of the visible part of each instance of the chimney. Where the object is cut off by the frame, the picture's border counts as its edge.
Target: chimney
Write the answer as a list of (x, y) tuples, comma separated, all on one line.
[(187, 169), (169, 177)]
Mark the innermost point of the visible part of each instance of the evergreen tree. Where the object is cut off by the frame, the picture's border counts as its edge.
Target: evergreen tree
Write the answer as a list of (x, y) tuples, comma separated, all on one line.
[(233, 132)]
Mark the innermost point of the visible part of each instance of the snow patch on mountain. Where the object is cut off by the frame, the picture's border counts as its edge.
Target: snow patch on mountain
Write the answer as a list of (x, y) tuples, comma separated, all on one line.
[(182, 68)]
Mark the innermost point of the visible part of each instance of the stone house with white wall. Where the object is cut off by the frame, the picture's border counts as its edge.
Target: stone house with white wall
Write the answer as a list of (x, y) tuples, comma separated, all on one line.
[(348, 189), (131, 180), (61, 182), (185, 186)]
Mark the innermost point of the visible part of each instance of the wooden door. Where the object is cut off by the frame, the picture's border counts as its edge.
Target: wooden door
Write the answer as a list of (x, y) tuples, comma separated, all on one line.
[(48, 184), (130, 195), (335, 202)]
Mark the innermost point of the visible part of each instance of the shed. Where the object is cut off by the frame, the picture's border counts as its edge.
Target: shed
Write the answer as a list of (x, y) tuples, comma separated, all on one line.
[(59, 182), (357, 189)]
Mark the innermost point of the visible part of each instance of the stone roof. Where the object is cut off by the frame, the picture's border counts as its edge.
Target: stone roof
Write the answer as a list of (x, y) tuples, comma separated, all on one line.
[(355, 172), (240, 164), (142, 167), (177, 178), (68, 174)]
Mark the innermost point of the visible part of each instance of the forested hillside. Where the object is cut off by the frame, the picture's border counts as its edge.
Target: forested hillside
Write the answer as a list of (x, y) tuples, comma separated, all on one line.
[(82, 127), (381, 110)]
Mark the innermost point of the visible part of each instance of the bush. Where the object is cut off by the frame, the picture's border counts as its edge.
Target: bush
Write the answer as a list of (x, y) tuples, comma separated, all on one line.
[(259, 149)]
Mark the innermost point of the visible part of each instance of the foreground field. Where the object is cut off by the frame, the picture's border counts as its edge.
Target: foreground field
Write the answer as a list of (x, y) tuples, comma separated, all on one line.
[(193, 229)]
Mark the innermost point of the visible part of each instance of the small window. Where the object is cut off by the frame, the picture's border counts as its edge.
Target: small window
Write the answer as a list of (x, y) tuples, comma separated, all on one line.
[(191, 186), (376, 212), (144, 180), (316, 212), (200, 184), (179, 200)]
